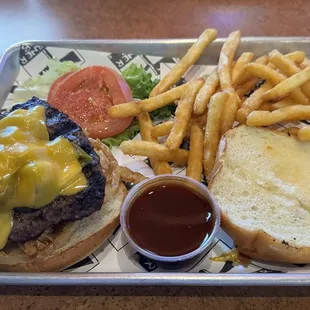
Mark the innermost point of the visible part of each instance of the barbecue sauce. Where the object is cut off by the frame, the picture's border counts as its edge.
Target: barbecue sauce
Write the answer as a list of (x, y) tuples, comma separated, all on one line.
[(170, 220)]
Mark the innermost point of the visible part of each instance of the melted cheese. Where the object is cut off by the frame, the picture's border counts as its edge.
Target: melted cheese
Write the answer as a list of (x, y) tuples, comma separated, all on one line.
[(34, 170)]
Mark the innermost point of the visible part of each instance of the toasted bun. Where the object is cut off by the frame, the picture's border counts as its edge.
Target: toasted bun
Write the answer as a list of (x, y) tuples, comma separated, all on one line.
[(69, 244), (261, 182)]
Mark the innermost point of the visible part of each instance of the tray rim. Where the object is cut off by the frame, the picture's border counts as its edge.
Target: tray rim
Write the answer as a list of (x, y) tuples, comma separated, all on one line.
[(13, 47), (156, 279), (144, 278)]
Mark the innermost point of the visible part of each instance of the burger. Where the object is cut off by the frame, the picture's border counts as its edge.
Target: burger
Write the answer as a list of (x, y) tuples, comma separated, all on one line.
[(60, 191)]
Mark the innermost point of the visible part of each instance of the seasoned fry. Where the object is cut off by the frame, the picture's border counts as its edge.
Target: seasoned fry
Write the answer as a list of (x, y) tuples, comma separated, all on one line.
[(195, 157), (274, 78), (225, 60), (303, 134), (212, 133), (183, 115), (291, 113), (162, 129), (252, 103), (238, 68), (127, 175), (146, 126), (207, 90), (137, 107), (186, 62), (287, 86), (155, 150), (246, 76), (289, 68)]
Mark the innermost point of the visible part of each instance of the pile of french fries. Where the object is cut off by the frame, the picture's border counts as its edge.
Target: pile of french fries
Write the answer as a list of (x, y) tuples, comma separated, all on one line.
[(208, 108)]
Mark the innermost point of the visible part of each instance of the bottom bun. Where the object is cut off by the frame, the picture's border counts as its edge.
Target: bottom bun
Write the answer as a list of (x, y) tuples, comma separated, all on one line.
[(68, 245)]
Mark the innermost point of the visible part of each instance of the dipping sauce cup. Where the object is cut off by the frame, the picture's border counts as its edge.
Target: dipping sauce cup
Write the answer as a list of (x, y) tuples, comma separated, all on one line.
[(170, 218)]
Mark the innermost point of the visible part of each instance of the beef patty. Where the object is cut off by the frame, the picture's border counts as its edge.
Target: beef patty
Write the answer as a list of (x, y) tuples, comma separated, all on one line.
[(31, 223)]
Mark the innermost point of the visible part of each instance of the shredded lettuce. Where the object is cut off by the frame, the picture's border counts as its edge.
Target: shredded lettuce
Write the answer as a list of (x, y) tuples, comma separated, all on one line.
[(40, 85), (127, 134), (139, 81)]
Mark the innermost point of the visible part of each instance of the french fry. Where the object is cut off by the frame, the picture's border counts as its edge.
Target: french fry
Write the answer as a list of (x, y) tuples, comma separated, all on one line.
[(135, 108), (127, 175), (199, 120), (303, 65), (186, 62), (292, 131), (207, 90), (162, 129), (277, 105), (246, 76), (287, 114), (225, 60), (146, 126), (265, 72), (289, 68), (195, 156), (238, 68), (212, 133), (252, 103), (154, 150), (246, 87), (275, 78), (224, 71), (231, 107), (303, 134), (183, 115), (298, 56), (265, 107), (282, 104), (285, 64), (288, 85)]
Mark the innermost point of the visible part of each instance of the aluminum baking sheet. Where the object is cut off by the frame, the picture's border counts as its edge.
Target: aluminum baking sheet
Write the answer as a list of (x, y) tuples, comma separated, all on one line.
[(28, 58)]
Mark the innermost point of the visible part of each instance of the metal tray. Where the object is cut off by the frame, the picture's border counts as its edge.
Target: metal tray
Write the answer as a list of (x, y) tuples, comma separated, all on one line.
[(9, 69)]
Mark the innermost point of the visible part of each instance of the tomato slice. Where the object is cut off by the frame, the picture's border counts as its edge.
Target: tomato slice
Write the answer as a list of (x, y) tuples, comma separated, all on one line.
[(56, 84), (87, 94)]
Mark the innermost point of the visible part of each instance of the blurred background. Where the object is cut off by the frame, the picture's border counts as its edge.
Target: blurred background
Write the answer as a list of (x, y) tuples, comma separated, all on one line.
[(119, 19)]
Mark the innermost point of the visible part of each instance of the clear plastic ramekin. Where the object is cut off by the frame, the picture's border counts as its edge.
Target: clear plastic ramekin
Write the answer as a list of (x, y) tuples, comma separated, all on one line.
[(170, 179)]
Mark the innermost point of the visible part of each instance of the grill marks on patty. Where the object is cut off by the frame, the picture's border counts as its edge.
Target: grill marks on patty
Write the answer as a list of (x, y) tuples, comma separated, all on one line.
[(30, 223)]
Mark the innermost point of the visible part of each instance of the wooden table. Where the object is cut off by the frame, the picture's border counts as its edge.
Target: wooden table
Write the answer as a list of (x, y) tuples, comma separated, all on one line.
[(80, 19)]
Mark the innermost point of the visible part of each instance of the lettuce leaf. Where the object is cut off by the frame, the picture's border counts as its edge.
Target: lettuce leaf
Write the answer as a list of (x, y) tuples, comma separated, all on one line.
[(127, 134), (139, 81), (141, 84), (40, 85), (163, 113)]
